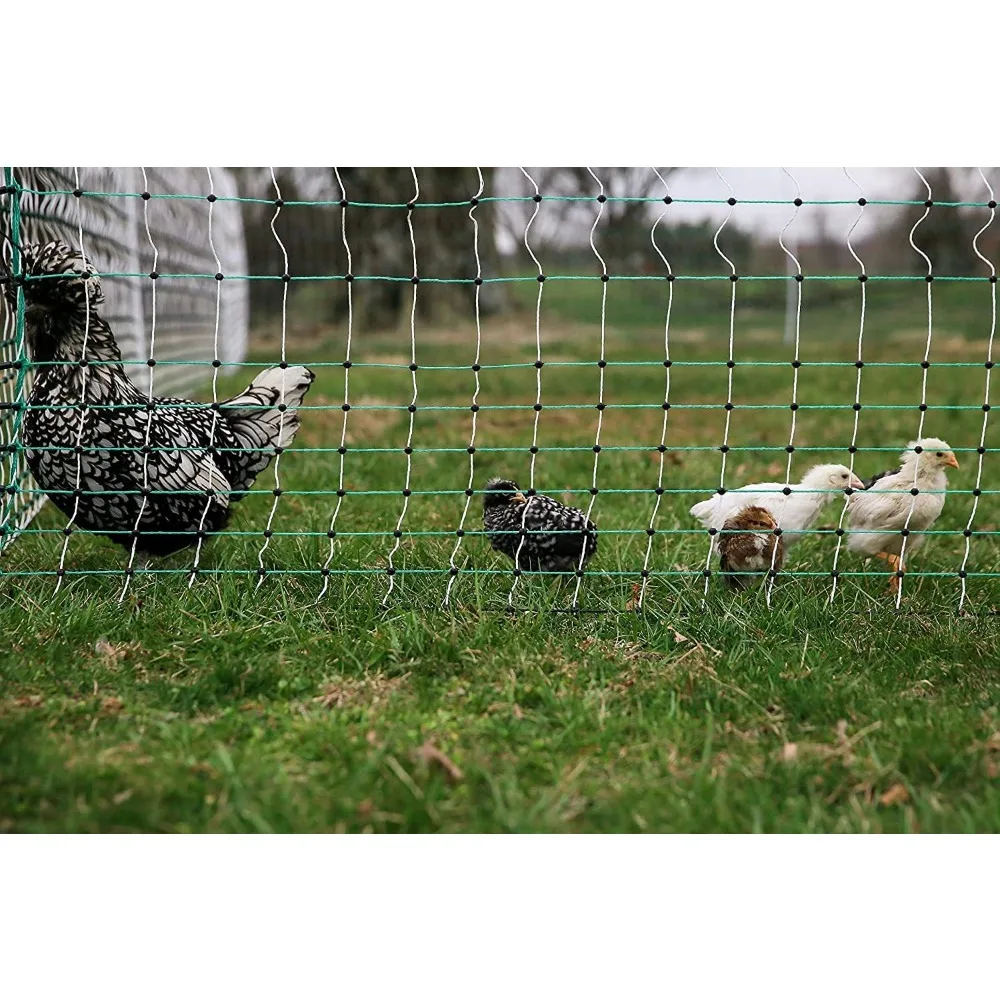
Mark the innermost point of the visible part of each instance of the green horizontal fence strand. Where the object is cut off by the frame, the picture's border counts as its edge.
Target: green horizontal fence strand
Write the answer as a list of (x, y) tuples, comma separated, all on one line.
[(483, 449), (469, 533), (524, 199), (402, 366), (512, 279), (459, 408), (438, 571), (19, 369), (427, 493)]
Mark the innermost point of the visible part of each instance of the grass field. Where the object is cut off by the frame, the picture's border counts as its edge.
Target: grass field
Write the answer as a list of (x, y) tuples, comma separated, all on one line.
[(225, 708)]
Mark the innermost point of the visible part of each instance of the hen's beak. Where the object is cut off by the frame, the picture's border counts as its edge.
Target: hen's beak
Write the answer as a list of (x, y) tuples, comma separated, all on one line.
[(856, 484), (519, 498), (951, 460)]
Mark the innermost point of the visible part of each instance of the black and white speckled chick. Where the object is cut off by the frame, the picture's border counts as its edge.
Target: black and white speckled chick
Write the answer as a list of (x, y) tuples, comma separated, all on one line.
[(556, 535), (199, 458)]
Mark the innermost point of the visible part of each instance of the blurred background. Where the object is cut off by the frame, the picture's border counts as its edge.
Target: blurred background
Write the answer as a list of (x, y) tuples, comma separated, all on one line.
[(560, 232)]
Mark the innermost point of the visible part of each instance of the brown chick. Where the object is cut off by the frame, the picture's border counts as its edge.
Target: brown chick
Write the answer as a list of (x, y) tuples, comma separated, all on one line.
[(747, 544)]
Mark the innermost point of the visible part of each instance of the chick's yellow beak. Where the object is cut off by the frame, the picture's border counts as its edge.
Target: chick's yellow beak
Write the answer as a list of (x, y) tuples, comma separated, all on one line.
[(951, 460)]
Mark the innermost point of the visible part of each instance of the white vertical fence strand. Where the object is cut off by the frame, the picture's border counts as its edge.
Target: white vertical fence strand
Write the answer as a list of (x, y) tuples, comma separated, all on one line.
[(853, 448), (215, 380), (538, 383), (84, 374), (650, 531), (986, 399), (923, 382), (129, 570), (601, 198), (342, 451), (790, 448), (408, 450), (730, 360), (261, 572), (452, 565), (230, 238)]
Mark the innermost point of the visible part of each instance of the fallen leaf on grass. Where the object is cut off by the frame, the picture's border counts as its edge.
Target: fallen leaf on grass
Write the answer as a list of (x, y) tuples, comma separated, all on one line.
[(369, 691), (696, 646), (922, 689), (503, 706), (895, 796), (789, 752), (632, 604), (112, 704), (29, 701), (111, 654), (430, 754)]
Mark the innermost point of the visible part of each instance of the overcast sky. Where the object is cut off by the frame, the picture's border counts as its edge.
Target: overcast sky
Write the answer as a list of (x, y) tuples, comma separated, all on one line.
[(785, 184), (747, 183), (809, 183)]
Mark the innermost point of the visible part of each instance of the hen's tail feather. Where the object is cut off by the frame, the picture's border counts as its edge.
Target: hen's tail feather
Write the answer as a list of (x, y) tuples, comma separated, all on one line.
[(704, 510), (269, 388), (258, 423)]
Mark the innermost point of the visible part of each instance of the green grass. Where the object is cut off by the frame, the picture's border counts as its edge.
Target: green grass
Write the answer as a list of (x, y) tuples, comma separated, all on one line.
[(226, 708)]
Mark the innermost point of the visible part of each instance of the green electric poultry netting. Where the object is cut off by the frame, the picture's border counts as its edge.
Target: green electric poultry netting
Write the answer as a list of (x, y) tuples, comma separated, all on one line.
[(615, 380)]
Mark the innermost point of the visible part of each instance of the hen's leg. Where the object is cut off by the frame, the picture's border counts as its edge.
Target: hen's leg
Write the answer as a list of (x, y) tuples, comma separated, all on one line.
[(895, 564)]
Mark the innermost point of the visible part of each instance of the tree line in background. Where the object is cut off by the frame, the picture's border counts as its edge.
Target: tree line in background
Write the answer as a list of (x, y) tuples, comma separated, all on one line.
[(382, 243)]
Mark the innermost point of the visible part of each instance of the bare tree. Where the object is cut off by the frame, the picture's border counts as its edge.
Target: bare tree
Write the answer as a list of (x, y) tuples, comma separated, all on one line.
[(569, 208), (377, 224), (382, 246)]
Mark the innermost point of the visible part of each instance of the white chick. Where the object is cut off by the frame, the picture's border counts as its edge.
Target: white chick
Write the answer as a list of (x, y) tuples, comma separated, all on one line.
[(794, 512), (888, 507)]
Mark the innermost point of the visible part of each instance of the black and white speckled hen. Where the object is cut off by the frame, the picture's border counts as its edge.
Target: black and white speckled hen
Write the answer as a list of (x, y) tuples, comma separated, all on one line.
[(158, 469), (556, 536)]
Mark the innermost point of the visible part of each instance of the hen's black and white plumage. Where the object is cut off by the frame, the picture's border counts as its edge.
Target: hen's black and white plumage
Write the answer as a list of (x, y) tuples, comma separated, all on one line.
[(558, 539), (158, 470)]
